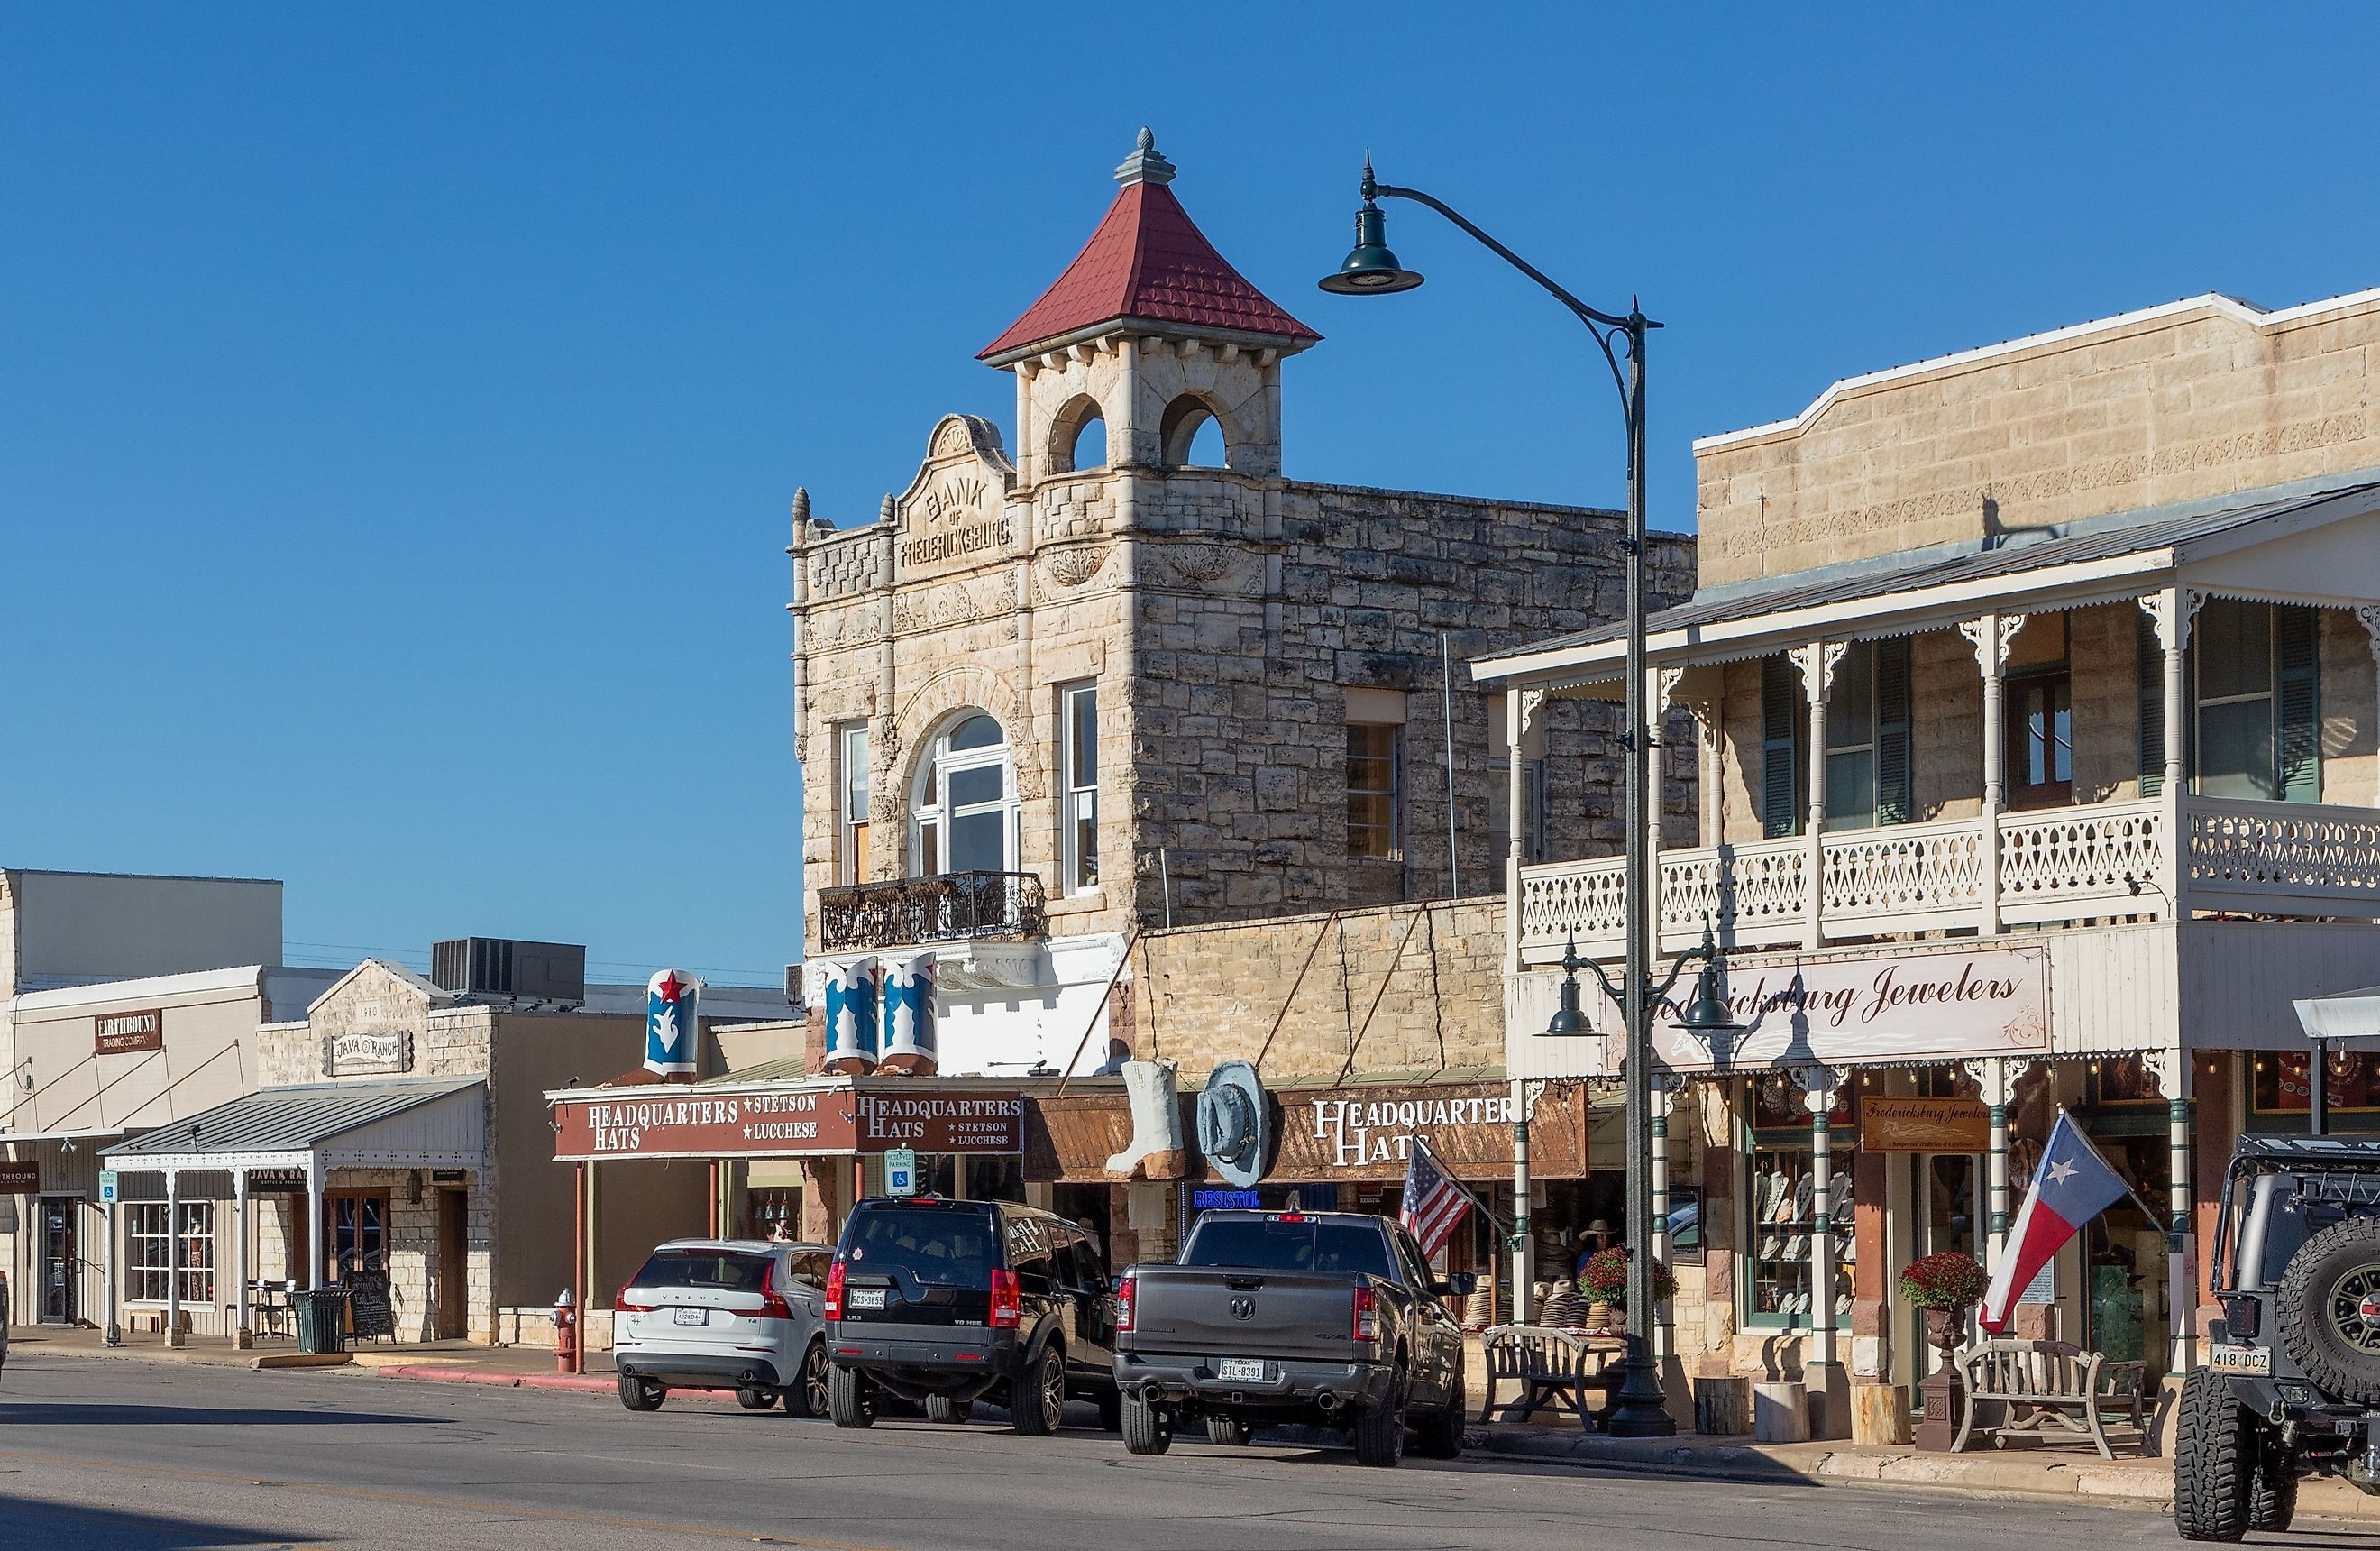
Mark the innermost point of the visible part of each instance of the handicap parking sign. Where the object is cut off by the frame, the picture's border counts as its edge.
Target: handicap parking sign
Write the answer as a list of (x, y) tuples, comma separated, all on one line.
[(106, 1185), (901, 1171)]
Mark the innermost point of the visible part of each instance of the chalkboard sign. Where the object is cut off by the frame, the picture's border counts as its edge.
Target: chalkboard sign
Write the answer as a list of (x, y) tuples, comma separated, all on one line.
[(369, 1310)]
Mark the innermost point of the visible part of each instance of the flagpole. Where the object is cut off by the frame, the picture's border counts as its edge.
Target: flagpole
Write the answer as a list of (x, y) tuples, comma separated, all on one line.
[(1477, 1200)]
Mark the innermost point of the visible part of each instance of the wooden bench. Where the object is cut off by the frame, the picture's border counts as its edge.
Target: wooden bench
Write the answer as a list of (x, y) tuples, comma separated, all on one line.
[(2043, 1381), (1553, 1371)]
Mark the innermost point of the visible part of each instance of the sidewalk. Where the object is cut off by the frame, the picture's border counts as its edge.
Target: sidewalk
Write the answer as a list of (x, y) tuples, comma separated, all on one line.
[(423, 1359)]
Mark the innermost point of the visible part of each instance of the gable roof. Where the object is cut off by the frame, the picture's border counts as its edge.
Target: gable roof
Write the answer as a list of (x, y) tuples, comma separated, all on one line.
[(1147, 261), (289, 1119)]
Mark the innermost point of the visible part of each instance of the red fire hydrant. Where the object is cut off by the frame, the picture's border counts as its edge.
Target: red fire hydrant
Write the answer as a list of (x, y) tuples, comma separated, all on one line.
[(566, 1335)]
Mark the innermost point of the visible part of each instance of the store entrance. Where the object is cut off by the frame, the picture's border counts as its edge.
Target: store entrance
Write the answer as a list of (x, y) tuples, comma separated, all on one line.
[(60, 1264)]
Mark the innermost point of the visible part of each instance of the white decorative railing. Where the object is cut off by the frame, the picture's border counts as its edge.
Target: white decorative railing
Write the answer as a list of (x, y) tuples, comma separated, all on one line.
[(2269, 855), (2052, 860), (2055, 864), (1911, 872)]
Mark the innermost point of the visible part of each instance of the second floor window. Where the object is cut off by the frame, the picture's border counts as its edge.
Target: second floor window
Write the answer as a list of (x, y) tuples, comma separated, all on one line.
[(1079, 706), (1867, 740), (1372, 785), (2037, 713), (2258, 727), (964, 814), (851, 800)]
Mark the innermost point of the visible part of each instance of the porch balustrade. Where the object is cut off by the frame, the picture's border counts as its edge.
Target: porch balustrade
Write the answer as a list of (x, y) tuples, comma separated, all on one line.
[(2064, 865)]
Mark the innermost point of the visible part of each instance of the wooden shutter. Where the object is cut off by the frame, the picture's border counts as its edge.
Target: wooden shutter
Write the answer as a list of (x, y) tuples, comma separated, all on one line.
[(1781, 752), (2150, 661), (1893, 797), (2297, 703)]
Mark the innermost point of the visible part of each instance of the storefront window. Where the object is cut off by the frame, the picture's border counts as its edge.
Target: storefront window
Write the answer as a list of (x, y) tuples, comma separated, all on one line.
[(1780, 1212), (359, 1231), (2284, 1082), (149, 1251)]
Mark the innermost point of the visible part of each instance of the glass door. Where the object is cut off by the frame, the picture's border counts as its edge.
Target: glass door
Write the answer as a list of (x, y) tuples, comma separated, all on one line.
[(61, 1267)]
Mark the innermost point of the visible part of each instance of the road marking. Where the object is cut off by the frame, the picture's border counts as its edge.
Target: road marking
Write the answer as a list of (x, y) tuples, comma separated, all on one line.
[(508, 1510)]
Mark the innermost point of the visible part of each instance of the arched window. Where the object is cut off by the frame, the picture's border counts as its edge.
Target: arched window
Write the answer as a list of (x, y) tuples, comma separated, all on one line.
[(963, 812), (1078, 437), (1191, 434)]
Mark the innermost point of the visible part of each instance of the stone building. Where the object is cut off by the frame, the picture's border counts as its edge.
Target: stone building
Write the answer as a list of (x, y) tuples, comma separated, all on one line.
[(1126, 676), (2037, 692)]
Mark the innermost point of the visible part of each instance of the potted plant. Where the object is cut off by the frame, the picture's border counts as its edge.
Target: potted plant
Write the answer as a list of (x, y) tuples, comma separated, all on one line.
[(1946, 1286), (1603, 1281)]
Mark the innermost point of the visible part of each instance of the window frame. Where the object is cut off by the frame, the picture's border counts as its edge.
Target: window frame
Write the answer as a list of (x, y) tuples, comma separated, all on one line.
[(931, 813), (1079, 798), (150, 1270), (852, 791), (2279, 782), (1392, 762)]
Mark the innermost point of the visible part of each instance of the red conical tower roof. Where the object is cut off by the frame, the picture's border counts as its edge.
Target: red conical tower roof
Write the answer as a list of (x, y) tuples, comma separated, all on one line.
[(1147, 262)]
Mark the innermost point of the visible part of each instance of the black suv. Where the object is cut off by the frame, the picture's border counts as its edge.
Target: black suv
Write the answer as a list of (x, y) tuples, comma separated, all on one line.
[(945, 1302), (2291, 1383)]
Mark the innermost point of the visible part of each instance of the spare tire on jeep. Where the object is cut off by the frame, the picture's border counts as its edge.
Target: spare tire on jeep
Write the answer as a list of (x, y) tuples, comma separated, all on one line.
[(2329, 1309)]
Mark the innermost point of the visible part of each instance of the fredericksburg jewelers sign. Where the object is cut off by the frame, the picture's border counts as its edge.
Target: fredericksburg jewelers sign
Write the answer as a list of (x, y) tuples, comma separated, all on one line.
[(1847, 1008)]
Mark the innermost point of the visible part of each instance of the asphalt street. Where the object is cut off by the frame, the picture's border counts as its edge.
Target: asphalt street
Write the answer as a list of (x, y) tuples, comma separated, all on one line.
[(115, 1455)]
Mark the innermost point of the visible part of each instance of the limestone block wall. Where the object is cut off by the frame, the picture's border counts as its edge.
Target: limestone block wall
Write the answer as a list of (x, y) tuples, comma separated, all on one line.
[(2175, 403), (2351, 711), (1211, 993)]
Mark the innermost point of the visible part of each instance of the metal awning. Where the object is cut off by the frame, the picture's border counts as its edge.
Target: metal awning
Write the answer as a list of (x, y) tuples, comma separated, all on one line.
[(2341, 1015), (408, 1124)]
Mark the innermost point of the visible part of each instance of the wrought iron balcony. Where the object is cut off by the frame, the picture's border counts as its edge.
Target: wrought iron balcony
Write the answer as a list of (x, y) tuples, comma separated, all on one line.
[(952, 907)]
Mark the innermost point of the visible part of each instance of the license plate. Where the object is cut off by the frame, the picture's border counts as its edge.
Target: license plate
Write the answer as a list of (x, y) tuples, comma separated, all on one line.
[(867, 1298), (1241, 1368), (2241, 1360), (689, 1316)]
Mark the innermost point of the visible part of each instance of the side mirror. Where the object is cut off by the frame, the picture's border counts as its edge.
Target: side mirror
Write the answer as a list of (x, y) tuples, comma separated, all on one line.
[(1458, 1284)]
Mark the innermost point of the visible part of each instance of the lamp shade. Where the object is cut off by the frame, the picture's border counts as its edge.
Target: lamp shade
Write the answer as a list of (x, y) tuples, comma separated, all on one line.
[(1371, 267)]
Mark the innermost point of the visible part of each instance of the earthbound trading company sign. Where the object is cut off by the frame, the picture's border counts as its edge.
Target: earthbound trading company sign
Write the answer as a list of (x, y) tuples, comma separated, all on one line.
[(128, 1033), (663, 1123), (1869, 1009)]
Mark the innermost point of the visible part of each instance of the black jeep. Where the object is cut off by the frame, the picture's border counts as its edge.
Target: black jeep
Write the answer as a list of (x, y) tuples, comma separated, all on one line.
[(2291, 1383)]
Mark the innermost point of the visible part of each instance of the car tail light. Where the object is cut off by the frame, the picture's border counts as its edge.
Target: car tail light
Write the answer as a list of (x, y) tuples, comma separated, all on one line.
[(1365, 1324), (620, 1304), (1005, 1308), (772, 1302), (1127, 1290), (834, 1289), (2242, 1317)]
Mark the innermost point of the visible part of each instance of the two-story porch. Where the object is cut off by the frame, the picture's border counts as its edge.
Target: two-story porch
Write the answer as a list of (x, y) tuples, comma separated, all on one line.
[(2123, 770)]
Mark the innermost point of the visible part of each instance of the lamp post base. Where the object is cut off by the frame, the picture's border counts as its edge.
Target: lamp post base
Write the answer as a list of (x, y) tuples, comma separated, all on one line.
[(1639, 1408)]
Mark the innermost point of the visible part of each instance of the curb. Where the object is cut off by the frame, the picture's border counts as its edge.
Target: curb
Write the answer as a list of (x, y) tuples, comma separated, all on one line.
[(440, 1373), (301, 1360)]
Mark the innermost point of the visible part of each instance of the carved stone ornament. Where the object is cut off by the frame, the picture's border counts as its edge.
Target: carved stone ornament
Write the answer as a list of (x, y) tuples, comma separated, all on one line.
[(1072, 567), (1991, 637), (1199, 564)]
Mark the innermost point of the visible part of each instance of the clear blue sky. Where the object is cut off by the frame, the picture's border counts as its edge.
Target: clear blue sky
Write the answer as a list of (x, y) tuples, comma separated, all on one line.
[(399, 406)]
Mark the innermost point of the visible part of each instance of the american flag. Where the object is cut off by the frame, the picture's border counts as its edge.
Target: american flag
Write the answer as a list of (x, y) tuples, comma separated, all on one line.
[(1435, 1202)]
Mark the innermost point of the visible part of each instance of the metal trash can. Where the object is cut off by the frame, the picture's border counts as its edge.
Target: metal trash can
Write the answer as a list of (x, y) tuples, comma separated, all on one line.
[(322, 1320)]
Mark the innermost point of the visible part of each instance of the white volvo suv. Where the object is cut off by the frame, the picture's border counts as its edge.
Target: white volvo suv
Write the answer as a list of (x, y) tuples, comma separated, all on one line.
[(744, 1315)]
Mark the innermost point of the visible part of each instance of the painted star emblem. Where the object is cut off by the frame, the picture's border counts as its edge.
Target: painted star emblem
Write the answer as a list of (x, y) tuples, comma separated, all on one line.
[(2061, 1172), (671, 986)]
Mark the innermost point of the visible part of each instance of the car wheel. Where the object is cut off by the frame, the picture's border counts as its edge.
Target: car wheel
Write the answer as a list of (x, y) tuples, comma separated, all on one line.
[(2214, 1460), (850, 1397), (948, 1408), (1038, 1397), (638, 1395), (756, 1399), (1227, 1433), (2329, 1307), (1381, 1430), (1440, 1435), (1147, 1430), (2273, 1497), (806, 1395)]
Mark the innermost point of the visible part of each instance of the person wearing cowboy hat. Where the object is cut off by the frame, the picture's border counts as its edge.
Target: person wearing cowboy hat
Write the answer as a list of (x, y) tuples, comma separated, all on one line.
[(1594, 1241)]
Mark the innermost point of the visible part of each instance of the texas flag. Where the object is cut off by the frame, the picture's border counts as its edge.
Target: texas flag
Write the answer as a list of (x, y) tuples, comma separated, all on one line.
[(2072, 1185)]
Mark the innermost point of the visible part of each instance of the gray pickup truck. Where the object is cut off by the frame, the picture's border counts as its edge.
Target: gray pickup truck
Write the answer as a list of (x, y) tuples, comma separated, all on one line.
[(1324, 1317)]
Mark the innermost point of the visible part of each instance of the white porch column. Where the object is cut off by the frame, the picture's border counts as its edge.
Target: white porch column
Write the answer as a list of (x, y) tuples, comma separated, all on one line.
[(316, 1251), (2172, 1070), (1818, 665), (239, 1252), (1991, 637), (1996, 1076), (173, 1257), (2170, 611), (1666, 1086), (1822, 1372), (1518, 704), (1525, 1241)]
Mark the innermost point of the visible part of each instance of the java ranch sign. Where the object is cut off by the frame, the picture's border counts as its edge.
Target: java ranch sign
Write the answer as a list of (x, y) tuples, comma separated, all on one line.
[(660, 1122), (1872, 1008)]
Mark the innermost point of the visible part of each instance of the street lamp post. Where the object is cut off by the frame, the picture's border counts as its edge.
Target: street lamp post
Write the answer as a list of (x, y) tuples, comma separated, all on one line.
[(1640, 1409)]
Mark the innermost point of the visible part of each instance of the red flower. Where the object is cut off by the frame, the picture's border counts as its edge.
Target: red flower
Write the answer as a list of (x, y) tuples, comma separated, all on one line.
[(1948, 1281)]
